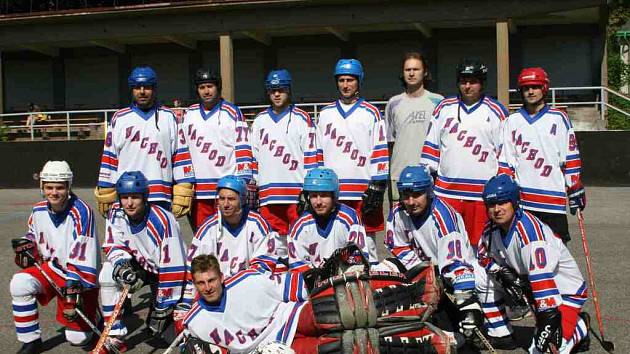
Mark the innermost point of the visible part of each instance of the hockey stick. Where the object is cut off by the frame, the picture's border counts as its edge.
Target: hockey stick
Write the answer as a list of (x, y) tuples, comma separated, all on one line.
[(60, 293), (112, 319), (175, 342), (607, 345)]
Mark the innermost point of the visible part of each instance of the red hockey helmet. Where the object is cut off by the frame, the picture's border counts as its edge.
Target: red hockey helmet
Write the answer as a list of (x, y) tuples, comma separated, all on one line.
[(534, 76)]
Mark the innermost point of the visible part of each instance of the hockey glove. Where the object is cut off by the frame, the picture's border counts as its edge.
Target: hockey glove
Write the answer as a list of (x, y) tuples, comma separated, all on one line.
[(373, 197), (577, 198), (181, 310), (252, 195), (470, 313), (273, 348), (105, 197), (159, 319), (197, 346), (26, 252), (126, 274), (183, 194), (513, 286), (548, 330), (71, 299), (303, 203)]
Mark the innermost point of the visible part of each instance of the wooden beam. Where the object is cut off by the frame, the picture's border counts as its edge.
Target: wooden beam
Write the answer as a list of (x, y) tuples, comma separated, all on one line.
[(43, 49), (182, 41), (1, 87), (426, 31), (259, 36), (503, 63), (111, 45), (226, 53), (339, 33)]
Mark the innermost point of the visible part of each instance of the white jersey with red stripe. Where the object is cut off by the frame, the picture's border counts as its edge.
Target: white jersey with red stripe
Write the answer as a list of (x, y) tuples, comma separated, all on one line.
[(541, 152), (219, 145), (438, 235), (67, 240), (155, 243), (251, 244), (310, 244), (256, 307), (285, 147), (146, 142), (354, 144), (462, 145), (531, 249)]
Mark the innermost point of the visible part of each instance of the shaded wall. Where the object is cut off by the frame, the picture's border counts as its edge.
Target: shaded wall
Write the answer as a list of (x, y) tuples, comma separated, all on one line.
[(605, 159)]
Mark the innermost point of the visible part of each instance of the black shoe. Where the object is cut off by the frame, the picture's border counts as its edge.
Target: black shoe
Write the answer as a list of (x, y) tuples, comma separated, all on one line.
[(585, 344), (502, 343), (518, 313), (33, 347)]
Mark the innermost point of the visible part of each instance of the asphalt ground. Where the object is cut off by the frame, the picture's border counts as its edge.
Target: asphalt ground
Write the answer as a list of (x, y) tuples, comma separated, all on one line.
[(607, 226)]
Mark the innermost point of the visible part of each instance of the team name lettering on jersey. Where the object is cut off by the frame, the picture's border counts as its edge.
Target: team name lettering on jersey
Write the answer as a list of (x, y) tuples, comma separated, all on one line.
[(206, 147), (346, 146), (134, 136), (468, 141), (278, 150), (531, 153)]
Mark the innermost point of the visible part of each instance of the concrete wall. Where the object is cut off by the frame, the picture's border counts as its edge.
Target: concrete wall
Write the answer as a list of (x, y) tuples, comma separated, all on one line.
[(605, 159)]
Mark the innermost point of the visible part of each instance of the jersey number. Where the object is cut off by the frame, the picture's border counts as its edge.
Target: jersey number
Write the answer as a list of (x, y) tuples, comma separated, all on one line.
[(78, 250), (454, 249)]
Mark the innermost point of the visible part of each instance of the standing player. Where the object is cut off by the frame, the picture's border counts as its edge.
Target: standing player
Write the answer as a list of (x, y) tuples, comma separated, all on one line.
[(407, 116), (238, 237), (143, 245), (521, 252), (462, 145), (143, 137), (62, 238), (540, 150), (326, 226), (217, 135), (354, 145), (284, 143)]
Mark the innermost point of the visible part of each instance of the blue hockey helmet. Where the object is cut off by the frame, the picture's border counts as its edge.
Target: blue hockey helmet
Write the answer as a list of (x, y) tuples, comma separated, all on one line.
[(132, 182), (322, 179), (142, 76), (278, 79), (351, 67), (236, 184), (415, 179), (500, 189)]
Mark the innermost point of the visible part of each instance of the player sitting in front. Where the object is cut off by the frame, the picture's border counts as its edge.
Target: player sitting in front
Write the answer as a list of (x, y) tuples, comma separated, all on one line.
[(143, 247), (61, 245), (523, 255), (326, 226)]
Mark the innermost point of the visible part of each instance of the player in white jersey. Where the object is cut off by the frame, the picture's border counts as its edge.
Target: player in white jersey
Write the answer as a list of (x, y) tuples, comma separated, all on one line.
[(422, 227), (462, 145), (144, 137), (143, 246), (354, 144), (540, 150), (326, 226), (285, 146), (62, 238), (252, 308), (217, 136), (407, 116), (238, 237), (522, 254)]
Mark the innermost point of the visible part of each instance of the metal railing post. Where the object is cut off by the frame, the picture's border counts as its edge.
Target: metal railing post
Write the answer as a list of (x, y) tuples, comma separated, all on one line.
[(32, 129), (104, 124), (315, 115), (67, 125), (602, 104), (553, 97)]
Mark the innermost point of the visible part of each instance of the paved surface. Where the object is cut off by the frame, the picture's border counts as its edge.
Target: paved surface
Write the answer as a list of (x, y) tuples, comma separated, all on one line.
[(607, 227)]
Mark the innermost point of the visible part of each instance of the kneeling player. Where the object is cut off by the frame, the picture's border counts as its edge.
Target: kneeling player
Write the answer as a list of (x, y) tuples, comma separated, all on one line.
[(523, 255), (423, 227), (62, 238), (326, 226), (143, 247)]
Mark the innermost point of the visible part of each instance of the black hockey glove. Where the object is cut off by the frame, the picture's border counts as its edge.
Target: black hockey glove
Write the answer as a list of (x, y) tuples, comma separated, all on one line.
[(71, 299), (197, 346), (515, 288), (159, 319), (470, 315), (26, 252), (548, 330), (373, 197), (303, 203), (126, 274), (252, 195)]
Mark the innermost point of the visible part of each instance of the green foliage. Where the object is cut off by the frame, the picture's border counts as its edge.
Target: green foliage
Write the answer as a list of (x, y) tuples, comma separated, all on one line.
[(618, 71), (4, 132)]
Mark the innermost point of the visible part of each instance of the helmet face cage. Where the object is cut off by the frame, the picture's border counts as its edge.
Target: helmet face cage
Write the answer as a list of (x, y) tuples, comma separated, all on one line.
[(322, 180), (351, 67), (132, 182), (277, 79), (534, 77), (142, 76), (235, 184), (501, 189)]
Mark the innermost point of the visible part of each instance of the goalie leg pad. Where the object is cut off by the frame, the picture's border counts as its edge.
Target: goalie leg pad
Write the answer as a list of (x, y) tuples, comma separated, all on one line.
[(395, 297), (414, 338), (358, 341)]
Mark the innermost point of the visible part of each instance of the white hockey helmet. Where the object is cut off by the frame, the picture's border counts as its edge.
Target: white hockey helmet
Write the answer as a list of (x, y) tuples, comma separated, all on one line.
[(55, 171), (274, 348)]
